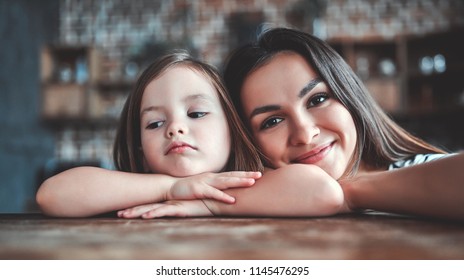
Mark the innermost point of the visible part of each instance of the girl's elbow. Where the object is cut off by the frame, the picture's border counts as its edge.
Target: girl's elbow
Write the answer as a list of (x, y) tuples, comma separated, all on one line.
[(41, 199), (45, 198)]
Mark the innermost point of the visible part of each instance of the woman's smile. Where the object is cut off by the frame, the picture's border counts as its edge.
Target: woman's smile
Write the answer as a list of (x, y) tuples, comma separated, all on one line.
[(315, 155)]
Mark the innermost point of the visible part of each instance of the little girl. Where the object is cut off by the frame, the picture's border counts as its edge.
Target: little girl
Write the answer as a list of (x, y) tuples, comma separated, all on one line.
[(178, 135), (178, 122)]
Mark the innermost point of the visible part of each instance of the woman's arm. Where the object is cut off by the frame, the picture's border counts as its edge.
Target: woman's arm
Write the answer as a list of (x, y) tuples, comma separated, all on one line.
[(434, 189), (88, 191), (290, 191), (293, 190)]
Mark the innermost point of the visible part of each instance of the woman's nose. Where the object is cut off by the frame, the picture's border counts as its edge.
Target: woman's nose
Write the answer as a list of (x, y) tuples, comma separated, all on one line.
[(303, 131)]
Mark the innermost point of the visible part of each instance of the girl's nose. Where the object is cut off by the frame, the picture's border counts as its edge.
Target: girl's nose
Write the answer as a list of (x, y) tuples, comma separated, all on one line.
[(303, 132), (176, 128)]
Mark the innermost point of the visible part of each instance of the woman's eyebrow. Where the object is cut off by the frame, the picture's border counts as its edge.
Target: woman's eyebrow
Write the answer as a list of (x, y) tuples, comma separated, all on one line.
[(269, 108), (312, 84), (264, 109)]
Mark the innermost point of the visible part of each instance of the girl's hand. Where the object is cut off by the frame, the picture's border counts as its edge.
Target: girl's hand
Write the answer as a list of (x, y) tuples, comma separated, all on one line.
[(210, 185), (173, 208)]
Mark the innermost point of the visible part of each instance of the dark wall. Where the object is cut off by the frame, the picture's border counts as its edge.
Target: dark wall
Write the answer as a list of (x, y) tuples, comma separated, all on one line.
[(25, 145)]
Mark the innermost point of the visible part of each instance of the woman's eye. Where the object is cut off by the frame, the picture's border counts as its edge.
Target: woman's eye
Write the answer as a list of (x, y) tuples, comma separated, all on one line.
[(271, 122), (154, 125), (317, 99), (196, 115)]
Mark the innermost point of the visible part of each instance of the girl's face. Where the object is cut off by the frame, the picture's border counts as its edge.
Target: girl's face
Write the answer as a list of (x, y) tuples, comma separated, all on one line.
[(184, 130), (295, 118)]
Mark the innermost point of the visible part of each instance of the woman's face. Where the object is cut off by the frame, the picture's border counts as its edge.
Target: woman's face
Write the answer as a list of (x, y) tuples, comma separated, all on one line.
[(295, 118), (184, 130)]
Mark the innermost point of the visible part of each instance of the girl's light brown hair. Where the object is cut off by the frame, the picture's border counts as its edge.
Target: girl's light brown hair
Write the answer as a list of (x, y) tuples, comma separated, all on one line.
[(380, 141), (127, 152)]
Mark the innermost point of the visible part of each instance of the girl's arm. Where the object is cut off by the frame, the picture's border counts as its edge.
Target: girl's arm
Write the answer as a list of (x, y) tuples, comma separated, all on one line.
[(434, 189), (88, 191), (290, 191)]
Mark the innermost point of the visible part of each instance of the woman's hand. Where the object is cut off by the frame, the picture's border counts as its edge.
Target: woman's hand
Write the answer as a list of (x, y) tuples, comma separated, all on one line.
[(172, 208), (211, 185)]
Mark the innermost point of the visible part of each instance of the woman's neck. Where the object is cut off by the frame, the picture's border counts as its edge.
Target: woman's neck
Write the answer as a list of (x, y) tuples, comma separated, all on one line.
[(366, 168)]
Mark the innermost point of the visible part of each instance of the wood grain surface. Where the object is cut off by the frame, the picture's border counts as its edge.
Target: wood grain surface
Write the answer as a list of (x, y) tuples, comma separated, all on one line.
[(34, 236)]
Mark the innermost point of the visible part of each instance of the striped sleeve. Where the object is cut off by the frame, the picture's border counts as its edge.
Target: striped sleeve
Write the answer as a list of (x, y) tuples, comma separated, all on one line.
[(417, 159)]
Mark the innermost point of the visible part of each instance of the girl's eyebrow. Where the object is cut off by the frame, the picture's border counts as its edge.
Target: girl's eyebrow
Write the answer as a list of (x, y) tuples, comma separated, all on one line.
[(192, 97), (199, 96), (150, 109), (312, 84)]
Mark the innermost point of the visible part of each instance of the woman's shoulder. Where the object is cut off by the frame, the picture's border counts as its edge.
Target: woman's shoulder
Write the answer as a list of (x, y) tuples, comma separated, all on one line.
[(417, 159)]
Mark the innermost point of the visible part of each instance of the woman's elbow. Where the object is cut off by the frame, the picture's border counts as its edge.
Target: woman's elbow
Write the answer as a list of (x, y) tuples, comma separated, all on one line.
[(323, 194), (332, 199)]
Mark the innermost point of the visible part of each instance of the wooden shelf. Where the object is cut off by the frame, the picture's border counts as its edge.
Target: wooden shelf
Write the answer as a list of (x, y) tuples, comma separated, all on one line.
[(407, 89), (79, 122), (429, 105), (73, 93)]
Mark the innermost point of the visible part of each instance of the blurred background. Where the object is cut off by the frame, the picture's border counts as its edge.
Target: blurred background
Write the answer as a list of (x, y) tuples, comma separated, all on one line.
[(67, 66)]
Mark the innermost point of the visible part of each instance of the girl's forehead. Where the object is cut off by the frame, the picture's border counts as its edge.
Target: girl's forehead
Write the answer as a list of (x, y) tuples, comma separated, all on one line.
[(179, 84), (180, 69), (180, 76)]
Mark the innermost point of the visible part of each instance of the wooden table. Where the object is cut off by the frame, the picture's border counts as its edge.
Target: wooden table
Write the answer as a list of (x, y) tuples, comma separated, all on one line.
[(374, 236)]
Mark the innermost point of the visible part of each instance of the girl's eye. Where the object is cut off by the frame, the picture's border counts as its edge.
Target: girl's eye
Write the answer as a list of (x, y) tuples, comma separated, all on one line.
[(196, 115), (155, 125), (271, 122), (317, 99)]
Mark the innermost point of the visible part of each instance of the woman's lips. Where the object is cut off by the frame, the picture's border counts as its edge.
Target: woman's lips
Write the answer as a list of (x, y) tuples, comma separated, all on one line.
[(314, 155)]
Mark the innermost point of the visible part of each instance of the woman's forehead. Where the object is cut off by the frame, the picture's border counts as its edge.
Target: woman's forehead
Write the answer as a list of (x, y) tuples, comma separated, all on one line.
[(284, 71)]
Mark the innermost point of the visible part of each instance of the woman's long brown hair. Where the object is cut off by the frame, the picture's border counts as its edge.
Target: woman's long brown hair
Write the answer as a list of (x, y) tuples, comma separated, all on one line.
[(380, 141)]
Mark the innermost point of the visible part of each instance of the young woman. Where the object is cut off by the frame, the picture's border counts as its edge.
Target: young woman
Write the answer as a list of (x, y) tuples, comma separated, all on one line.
[(178, 135), (304, 105)]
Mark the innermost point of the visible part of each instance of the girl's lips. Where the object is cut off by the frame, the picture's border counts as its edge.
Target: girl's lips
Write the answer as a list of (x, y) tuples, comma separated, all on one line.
[(178, 148), (314, 155)]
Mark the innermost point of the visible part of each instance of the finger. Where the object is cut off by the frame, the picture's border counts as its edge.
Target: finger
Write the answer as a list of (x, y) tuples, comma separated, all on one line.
[(223, 183), (137, 211), (216, 194), (165, 210), (243, 174)]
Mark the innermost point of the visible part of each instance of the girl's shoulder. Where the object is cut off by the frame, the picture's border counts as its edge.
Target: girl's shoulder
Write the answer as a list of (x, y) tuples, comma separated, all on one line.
[(417, 159)]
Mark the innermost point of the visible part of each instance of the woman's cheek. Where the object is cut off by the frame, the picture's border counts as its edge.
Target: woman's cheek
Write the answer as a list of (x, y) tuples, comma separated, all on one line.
[(270, 147)]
